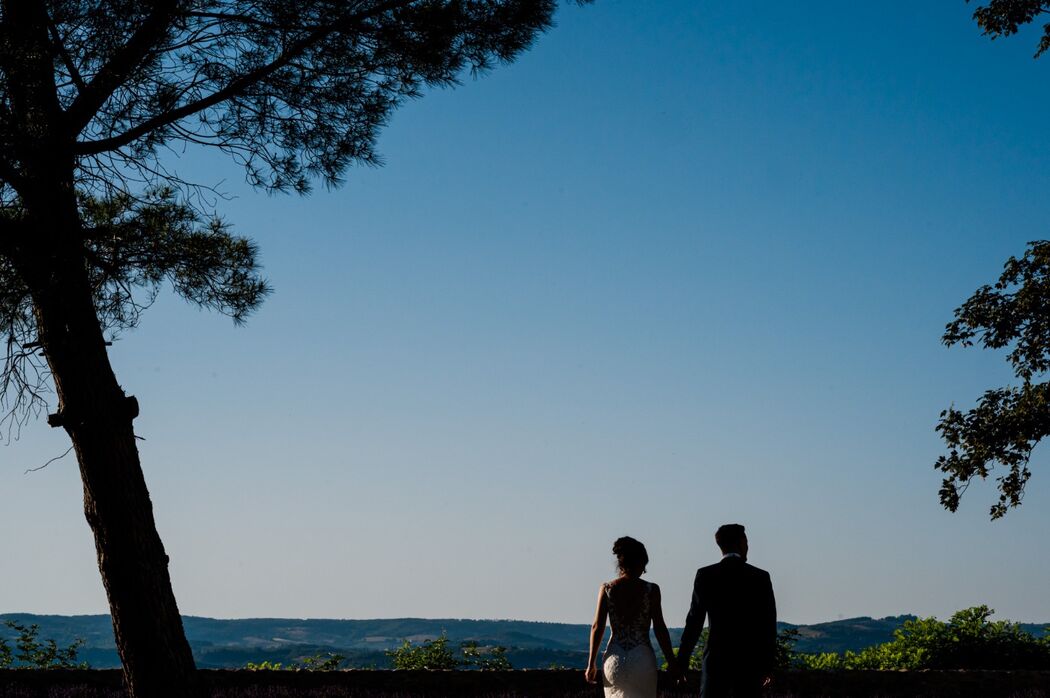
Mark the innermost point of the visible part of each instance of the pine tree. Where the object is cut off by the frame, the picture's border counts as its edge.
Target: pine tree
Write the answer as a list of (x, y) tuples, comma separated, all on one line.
[(92, 223)]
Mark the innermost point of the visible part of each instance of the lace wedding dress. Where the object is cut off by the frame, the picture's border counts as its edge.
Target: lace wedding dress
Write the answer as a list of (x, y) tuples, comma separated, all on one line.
[(629, 663)]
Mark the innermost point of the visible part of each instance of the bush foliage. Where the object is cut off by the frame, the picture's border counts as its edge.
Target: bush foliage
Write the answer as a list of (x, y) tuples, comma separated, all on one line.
[(328, 661), (32, 653), (969, 640), (436, 655)]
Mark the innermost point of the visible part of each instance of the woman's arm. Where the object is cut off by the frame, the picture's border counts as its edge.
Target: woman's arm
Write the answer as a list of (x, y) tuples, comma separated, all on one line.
[(597, 631), (663, 638)]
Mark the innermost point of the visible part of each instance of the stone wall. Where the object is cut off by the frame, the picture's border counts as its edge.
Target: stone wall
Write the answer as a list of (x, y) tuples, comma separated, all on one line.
[(525, 684)]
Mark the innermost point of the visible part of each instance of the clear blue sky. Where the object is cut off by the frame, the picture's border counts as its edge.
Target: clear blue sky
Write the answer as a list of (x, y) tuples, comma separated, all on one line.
[(684, 263)]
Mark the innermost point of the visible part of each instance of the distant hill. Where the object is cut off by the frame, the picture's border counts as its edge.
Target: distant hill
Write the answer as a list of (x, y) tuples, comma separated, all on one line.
[(232, 643), (847, 634)]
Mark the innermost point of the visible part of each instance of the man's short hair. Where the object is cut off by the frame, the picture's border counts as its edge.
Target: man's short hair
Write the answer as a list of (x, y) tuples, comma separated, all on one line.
[(729, 537)]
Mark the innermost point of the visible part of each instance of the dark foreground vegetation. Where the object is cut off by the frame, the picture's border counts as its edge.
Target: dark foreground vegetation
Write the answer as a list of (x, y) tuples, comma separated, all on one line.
[(63, 683)]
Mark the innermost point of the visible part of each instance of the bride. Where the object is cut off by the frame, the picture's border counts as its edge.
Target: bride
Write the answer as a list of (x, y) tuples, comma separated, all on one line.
[(631, 605)]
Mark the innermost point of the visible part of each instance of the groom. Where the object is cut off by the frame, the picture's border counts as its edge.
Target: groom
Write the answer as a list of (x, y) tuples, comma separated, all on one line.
[(738, 601)]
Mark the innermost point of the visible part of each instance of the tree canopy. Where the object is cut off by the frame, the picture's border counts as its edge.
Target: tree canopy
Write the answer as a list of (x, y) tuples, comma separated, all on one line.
[(1007, 423), (1006, 17), (294, 92)]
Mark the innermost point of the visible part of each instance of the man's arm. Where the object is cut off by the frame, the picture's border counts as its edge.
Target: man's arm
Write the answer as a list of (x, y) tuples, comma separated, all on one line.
[(694, 624), (769, 625)]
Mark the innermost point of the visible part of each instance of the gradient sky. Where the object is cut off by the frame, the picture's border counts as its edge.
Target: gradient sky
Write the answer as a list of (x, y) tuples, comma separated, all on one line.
[(684, 263)]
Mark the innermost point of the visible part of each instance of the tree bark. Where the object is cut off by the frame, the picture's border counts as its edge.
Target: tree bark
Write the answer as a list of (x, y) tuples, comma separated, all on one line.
[(97, 415)]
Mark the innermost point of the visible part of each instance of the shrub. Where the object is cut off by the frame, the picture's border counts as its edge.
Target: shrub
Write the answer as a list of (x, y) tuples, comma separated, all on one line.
[(265, 666), (969, 640), (436, 655), (323, 662), (32, 653), (495, 659), (329, 661), (433, 655)]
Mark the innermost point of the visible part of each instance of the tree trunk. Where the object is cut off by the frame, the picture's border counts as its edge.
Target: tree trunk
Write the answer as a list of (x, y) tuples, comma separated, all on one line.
[(98, 418)]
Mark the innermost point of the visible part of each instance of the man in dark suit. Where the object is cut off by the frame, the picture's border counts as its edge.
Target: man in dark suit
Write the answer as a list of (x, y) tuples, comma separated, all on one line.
[(737, 599)]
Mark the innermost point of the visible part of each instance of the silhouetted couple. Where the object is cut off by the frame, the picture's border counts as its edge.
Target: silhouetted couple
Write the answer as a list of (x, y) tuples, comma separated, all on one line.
[(735, 598)]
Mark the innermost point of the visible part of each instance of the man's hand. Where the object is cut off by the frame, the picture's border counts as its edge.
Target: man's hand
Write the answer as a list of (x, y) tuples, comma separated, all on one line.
[(591, 675), (674, 672), (766, 682)]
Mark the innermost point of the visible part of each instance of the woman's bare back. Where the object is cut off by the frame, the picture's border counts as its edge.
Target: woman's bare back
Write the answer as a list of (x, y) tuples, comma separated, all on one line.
[(630, 611)]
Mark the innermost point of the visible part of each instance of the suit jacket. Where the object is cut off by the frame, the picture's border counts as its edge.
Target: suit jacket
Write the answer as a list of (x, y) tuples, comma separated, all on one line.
[(737, 599)]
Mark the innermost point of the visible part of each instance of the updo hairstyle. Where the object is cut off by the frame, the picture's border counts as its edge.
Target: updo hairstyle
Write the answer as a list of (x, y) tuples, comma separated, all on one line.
[(631, 557)]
